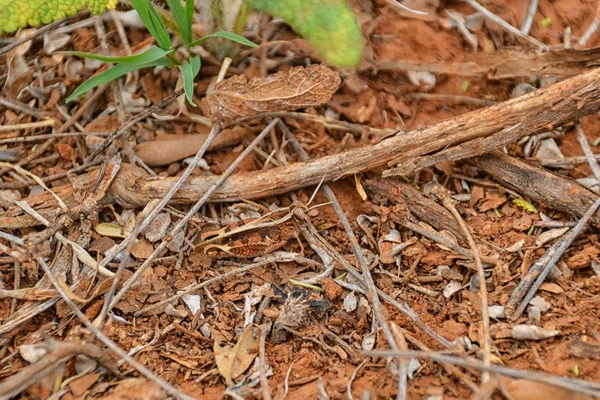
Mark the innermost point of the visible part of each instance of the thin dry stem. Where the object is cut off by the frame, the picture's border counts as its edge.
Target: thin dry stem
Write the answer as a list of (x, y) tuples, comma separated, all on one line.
[(28, 125), (483, 294), (581, 386), (531, 10), (587, 151), (508, 27)]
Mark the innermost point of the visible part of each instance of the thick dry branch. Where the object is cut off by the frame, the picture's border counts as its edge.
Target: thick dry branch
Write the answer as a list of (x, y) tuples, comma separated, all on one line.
[(538, 184), (531, 114), (509, 63)]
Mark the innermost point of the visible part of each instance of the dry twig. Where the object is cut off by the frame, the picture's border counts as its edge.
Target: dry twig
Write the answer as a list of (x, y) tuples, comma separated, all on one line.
[(485, 316), (529, 285), (581, 386)]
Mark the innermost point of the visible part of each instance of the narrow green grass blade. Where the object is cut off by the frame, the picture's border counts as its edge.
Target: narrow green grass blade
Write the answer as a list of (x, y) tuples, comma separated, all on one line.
[(148, 56), (181, 18), (107, 76), (189, 11), (188, 81), (227, 35), (153, 23)]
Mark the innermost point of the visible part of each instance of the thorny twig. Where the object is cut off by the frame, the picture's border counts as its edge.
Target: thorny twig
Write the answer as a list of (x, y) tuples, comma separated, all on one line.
[(326, 121), (581, 386), (485, 316), (104, 339), (182, 222), (536, 275)]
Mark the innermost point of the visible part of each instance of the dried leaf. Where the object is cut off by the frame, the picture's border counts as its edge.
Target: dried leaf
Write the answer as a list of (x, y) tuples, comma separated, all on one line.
[(32, 352), (142, 249), (551, 288), (528, 390), (532, 332), (550, 235), (233, 361), (81, 385), (295, 88), (112, 230), (350, 302)]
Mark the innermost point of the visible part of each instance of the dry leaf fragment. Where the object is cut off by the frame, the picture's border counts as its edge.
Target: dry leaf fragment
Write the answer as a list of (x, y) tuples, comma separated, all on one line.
[(295, 88), (532, 332), (233, 361), (521, 389)]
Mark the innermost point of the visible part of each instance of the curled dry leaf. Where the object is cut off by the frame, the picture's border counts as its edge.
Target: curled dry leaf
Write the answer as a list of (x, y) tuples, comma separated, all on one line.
[(532, 332), (233, 361), (298, 87)]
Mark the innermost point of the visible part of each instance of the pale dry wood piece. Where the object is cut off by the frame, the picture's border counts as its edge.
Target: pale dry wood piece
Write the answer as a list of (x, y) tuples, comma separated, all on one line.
[(299, 87), (509, 63), (538, 184), (530, 114)]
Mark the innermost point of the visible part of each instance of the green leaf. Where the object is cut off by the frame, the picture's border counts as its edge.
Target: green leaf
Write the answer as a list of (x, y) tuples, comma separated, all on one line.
[(153, 23), (189, 70), (525, 205), (195, 63), (464, 87), (546, 22), (227, 35), (107, 76), (148, 56), (181, 18), (189, 11), (329, 25)]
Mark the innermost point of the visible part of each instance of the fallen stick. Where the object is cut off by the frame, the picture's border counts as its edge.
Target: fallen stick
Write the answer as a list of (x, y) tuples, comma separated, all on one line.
[(534, 113), (504, 64), (538, 184), (424, 208)]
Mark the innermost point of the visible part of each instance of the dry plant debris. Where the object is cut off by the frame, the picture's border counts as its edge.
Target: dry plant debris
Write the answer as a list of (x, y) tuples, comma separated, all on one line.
[(298, 87), (286, 240)]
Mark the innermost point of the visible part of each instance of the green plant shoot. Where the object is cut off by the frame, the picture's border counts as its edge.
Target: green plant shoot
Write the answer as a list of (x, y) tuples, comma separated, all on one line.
[(161, 55)]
